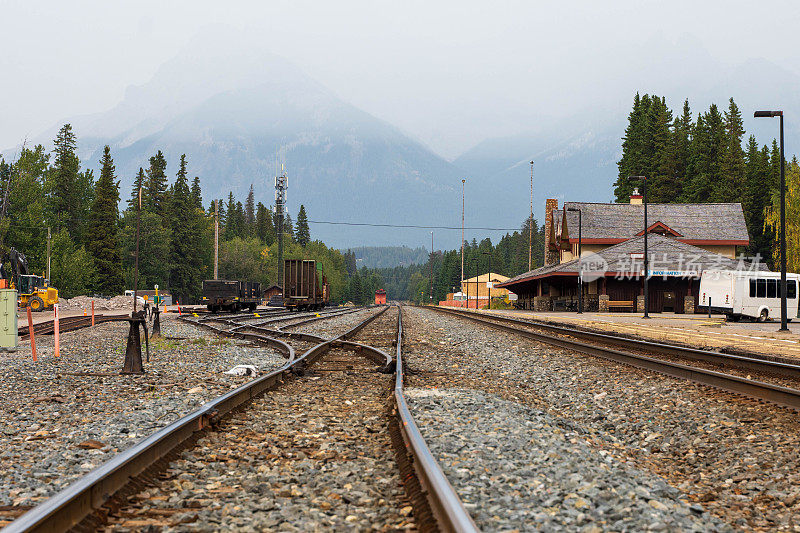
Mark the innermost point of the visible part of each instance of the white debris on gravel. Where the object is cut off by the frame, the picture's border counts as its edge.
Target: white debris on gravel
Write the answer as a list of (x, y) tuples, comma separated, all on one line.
[(518, 468), (65, 416)]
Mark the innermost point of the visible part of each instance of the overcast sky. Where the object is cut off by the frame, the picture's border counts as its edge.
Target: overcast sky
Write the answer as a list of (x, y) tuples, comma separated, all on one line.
[(449, 73)]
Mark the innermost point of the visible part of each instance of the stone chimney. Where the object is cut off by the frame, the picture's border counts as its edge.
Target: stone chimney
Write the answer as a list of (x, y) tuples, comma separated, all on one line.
[(636, 197), (550, 256)]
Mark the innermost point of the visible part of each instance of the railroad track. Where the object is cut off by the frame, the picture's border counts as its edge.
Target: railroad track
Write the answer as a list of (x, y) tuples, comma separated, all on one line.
[(342, 367), (69, 323), (638, 352)]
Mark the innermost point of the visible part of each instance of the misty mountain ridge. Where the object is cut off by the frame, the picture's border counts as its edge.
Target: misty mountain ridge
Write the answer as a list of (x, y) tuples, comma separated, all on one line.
[(236, 111)]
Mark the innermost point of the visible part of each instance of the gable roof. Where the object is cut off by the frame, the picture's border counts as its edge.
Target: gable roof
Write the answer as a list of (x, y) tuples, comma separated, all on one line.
[(666, 253), (494, 277), (694, 223)]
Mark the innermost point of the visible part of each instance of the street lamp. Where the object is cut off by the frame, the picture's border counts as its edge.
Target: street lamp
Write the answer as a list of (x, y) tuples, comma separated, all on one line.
[(643, 179), (489, 278), (769, 114), (580, 267)]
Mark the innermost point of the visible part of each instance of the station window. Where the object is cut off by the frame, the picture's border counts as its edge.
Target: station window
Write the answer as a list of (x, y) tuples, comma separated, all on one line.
[(761, 288), (772, 288)]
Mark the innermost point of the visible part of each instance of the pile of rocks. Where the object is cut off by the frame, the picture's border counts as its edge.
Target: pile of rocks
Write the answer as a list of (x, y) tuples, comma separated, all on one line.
[(85, 302)]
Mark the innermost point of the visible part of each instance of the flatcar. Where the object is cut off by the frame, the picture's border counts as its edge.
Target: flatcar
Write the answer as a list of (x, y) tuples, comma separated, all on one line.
[(380, 297), (226, 295), (305, 285)]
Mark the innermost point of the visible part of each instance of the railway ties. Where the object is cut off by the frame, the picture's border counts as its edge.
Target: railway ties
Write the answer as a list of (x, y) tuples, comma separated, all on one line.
[(312, 454), (306, 446)]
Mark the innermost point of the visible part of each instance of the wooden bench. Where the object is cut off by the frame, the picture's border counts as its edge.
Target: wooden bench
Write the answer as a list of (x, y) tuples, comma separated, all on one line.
[(624, 304)]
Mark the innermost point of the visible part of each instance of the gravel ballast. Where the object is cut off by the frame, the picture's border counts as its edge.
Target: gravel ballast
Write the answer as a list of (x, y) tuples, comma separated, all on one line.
[(65, 416), (518, 468), (736, 458), (312, 455)]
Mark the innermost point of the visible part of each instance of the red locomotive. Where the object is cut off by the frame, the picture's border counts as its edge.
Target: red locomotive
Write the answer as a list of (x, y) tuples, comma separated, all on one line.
[(380, 297)]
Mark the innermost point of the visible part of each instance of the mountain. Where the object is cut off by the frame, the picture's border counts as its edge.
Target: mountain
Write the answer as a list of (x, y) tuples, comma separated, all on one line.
[(575, 158), (236, 115), (389, 256)]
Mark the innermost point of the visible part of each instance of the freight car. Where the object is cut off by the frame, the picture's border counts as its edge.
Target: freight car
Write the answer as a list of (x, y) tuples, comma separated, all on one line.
[(225, 295), (305, 287)]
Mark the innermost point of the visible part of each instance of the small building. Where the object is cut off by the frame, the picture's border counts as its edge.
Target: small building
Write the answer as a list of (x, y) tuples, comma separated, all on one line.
[(380, 297), (272, 290), (484, 285)]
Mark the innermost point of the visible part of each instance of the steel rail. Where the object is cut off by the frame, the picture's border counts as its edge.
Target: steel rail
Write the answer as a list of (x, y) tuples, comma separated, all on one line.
[(444, 507), (81, 499), (783, 396), (757, 364)]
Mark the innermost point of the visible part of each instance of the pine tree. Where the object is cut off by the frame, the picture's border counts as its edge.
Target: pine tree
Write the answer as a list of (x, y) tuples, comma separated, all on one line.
[(154, 196), (302, 233), (708, 149), (662, 162), (103, 226), (265, 231), (631, 163), (288, 227), (730, 183), (683, 130), (756, 198), (250, 211), (196, 195), (241, 221), (69, 190), (186, 223), (231, 229)]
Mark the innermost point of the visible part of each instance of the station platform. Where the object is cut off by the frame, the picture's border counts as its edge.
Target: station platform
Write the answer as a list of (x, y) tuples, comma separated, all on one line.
[(694, 330)]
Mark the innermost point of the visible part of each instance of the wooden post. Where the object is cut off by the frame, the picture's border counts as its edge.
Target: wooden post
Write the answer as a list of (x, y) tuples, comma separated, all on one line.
[(56, 328), (93, 312), (30, 333)]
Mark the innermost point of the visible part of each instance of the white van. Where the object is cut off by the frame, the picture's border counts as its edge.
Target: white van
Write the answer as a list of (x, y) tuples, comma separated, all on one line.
[(755, 295)]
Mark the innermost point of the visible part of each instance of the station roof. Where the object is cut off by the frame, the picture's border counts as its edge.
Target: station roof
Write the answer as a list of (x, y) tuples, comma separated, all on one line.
[(668, 254), (606, 223)]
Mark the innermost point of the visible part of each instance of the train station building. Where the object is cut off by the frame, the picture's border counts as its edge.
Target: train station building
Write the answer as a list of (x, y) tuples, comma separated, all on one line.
[(683, 241)]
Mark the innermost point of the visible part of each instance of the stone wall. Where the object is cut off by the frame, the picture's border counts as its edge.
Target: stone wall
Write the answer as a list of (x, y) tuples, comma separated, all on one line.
[(602, 303), (542, 303), (688, 305)]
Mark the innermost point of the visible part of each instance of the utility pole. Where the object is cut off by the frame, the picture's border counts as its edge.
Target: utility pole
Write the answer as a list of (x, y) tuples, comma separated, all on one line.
[(462, 229), (530, 226), (136, 266), (48, 254), (216, 239), (431, 294), (281, 184)]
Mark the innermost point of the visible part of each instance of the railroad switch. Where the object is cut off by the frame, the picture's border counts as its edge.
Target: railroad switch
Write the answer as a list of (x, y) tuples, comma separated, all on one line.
[(133, 351), (156, 323)]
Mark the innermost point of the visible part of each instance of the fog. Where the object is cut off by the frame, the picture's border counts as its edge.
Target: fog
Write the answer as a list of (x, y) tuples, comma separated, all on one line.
[(449, 74)]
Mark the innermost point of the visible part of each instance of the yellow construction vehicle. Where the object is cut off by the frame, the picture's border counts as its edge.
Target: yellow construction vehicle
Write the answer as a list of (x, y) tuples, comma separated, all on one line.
[(33, 291)]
